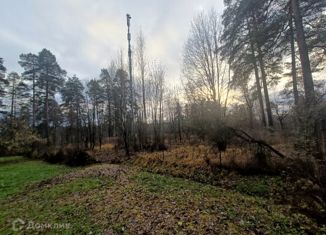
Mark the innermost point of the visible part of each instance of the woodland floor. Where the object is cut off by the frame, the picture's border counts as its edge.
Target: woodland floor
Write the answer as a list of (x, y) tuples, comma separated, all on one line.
[(120, 199)]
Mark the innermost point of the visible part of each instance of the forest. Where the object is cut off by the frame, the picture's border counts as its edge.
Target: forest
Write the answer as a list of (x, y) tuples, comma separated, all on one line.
[(237, 144)]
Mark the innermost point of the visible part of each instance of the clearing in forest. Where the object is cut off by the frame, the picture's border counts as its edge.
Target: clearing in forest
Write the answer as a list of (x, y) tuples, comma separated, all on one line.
[(117, 199)]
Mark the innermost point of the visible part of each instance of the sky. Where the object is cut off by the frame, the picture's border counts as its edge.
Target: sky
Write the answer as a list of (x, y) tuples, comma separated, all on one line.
[(85, 35)]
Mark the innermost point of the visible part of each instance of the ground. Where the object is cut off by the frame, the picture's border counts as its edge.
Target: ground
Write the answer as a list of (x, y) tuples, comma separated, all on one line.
[(120, 199)]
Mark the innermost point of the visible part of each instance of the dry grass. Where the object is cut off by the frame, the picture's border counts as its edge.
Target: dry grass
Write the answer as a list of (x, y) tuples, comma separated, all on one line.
[(201, 163), (199, 156), (105, 147)]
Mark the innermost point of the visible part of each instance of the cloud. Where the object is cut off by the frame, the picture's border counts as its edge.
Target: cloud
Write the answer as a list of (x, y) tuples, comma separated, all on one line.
[(86, 35)]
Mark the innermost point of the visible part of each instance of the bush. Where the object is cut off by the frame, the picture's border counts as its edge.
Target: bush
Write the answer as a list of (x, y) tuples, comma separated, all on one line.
[(79, 158), (69, 156), (16, 138)]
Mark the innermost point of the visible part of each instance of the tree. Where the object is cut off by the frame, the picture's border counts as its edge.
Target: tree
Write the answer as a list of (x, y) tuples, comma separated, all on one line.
[(50, 81), (303, 50), (30, 64), (155, 94), (293, 59), (254, 28), (73, 98), (122, 107), (106, 80), (16, 91), (2, 69), (203, 67), (174, 112), (2, 79), (140, 53), (96, 95), (238, 45), (281, 110), (249, 95)]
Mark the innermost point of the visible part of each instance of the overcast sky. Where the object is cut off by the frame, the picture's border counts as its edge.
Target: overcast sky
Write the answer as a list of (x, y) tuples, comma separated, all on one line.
[(85, 35)]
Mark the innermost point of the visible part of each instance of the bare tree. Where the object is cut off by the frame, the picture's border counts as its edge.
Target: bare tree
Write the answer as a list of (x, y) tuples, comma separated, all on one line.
[(141, 62), (156, 91), (205, 71)]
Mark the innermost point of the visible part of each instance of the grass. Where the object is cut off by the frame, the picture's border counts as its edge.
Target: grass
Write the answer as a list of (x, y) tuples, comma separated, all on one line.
[(18, 172), (111, 199), (11, 159)]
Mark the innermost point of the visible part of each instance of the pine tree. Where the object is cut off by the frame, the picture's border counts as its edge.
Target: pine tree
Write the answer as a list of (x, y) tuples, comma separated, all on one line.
[(73, 98), (96, 95), (106, 81), (254, 28), (30, 64), (16, 91), (50, 81), (2, 80)]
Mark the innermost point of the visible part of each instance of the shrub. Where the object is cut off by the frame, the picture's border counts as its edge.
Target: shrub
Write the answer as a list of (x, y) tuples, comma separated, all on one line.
[(69, 156), (16, 138), (79, 158)]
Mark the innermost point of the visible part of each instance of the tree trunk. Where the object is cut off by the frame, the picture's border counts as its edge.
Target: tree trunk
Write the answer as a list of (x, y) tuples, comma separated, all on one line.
[(33, 101), (110, 119), (78, 126), (47, 114), (304, 56), (281, 123), (13, 93), (251, 117), (260, 96), (294, 66), (93, 130), (263, 78), (143, 91), (161, 118)]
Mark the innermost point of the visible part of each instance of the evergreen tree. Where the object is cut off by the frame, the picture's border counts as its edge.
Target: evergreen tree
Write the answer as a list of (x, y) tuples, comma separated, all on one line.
[(16, 92), (254, 28), (2, 80), (50, 81), (106, 81), (30, 64), (73, 98), (96, 95)]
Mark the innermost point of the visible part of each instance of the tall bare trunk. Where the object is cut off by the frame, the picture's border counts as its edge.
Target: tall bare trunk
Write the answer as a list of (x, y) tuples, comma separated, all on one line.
[(33, 100), (304, 56), (260, 96), (13, 94), (47, 113), (143, 91), (293, 64), (266, 95)]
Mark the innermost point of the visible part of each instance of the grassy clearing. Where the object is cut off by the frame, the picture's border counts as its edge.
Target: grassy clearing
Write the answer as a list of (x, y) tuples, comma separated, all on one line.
[(188, 162), (112, 199), (18, 172)]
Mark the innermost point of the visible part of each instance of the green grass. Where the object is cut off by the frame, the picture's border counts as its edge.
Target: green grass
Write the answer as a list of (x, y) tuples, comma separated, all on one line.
[(96, 201), (18, 172), (155, 183), (11, 159), (61, 203)]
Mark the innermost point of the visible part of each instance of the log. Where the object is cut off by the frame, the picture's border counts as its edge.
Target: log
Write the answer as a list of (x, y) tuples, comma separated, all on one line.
[(246, 137)]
